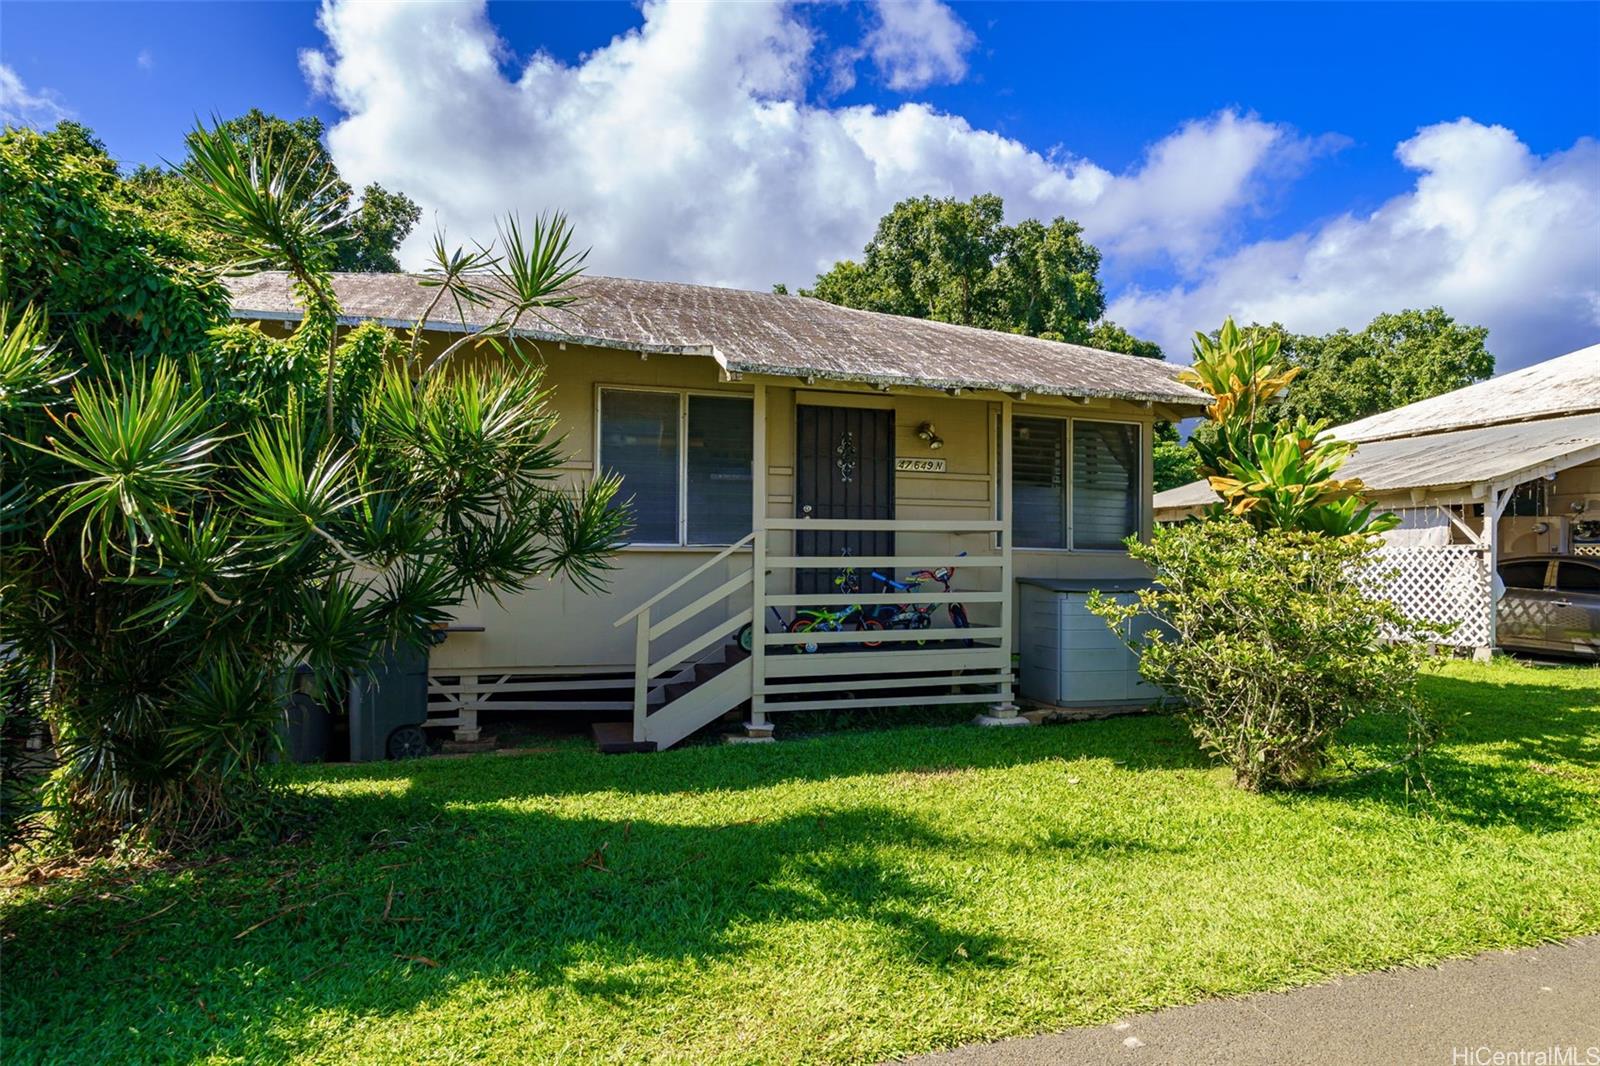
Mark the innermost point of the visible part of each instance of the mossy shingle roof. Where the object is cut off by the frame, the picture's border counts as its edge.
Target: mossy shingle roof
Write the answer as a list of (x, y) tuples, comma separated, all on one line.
[(764, 333)]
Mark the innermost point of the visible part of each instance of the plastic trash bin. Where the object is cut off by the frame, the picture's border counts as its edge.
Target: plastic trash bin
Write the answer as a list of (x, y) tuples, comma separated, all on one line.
[(388, 707), (308, 727)]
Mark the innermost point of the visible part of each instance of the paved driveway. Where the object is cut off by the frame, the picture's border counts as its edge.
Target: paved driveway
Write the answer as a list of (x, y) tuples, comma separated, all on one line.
[(1484, 1011)]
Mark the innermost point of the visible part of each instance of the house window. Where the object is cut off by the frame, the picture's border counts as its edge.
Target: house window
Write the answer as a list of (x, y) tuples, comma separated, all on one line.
[(1039, 491), (1089, 503), (685, 463), (1105, 483)]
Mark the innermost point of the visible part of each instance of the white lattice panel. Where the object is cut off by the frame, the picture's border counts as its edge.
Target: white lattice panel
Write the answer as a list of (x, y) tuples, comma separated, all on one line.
[(1442, 584), (1586, 549)]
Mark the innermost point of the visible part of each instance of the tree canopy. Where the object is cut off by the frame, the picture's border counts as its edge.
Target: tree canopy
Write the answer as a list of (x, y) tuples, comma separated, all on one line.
[(1397, 359), (368, 230), (958, 261)]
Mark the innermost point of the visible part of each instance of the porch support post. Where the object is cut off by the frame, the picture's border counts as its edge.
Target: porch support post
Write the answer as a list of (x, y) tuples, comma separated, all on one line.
[(758, 728), (1004, 711), (641, 672), (1494, 505), (468, 731)]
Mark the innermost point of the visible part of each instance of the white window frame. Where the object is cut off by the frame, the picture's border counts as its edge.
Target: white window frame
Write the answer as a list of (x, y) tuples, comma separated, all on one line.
[(682, 395), (1008, 494)]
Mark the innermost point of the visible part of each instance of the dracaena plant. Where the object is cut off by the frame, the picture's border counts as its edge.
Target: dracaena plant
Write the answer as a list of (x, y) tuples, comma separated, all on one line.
[(1274, 473), (184, 526)]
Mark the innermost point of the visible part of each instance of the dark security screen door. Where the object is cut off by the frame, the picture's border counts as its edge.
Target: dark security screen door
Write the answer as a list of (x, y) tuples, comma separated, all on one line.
[(844, 469)]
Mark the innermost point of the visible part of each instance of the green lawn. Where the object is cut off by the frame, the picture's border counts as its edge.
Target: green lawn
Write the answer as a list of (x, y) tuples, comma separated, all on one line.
[(844, 898)]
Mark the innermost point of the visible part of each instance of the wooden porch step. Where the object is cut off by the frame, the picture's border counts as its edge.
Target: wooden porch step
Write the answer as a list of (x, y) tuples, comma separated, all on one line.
[(616, 738)]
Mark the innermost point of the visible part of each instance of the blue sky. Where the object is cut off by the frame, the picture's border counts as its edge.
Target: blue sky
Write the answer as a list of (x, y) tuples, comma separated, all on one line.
[(744, 146)]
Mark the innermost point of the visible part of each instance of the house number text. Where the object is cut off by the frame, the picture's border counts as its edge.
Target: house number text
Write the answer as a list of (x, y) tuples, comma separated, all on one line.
[(920, 466)]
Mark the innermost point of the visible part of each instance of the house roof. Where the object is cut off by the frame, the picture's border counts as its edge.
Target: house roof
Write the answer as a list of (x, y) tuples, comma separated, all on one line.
[(1504, 454), (1566, 385), (764, 333)]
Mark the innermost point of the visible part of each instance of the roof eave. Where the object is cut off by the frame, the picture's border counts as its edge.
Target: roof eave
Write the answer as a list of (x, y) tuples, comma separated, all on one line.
[(968, 384)]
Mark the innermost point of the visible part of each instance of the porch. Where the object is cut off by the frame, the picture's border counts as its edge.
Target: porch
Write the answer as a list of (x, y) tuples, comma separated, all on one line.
[(772, 656)]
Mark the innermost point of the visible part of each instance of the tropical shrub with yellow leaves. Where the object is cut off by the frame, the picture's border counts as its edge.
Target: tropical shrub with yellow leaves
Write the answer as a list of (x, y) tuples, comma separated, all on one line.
[(1274, 474)]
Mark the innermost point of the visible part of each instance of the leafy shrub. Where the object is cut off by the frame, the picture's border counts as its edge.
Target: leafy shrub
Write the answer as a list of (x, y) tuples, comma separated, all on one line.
[(1269, 643), (190, 509)]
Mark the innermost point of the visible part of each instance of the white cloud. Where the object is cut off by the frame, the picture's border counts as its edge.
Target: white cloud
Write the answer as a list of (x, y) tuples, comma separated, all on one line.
[(1495, 234), (687, 149), (20, 106), (145, 60), (918, 43)]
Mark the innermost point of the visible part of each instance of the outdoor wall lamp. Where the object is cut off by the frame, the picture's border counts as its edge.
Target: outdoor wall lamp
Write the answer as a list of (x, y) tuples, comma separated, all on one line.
[(928, 436)]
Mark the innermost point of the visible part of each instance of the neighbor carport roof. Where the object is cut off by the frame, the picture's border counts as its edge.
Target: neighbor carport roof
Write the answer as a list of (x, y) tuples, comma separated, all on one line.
[(764, 333), (1566, 385), (1497, 455)]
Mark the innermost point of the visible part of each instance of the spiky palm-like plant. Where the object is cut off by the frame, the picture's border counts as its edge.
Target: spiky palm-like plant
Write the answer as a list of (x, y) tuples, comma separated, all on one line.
[(180, 529)]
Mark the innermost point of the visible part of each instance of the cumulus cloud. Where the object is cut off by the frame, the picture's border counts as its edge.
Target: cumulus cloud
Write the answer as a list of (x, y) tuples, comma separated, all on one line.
[(688, 149), (918, 43), (1494, 233), (20, 106)]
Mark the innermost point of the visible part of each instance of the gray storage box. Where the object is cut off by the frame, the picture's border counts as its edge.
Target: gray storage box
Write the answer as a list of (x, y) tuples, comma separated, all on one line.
[(1070, 657)]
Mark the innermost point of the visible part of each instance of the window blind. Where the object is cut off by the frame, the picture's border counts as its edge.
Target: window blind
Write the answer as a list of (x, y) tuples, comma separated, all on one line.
[(639, 440), (1105, 480)]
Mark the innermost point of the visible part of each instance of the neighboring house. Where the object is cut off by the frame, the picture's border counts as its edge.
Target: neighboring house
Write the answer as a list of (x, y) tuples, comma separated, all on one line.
[(1506, 467), (756, 433)]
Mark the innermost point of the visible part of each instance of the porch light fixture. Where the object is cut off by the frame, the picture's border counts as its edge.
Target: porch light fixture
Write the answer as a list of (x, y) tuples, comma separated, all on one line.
[(926, 434)]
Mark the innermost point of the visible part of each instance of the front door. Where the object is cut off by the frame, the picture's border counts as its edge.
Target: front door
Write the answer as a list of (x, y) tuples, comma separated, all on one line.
[(844, 469)]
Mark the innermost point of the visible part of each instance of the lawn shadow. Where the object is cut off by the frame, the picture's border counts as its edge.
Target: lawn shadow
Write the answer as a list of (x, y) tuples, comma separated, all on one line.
[(1523, 754), (375, 923)]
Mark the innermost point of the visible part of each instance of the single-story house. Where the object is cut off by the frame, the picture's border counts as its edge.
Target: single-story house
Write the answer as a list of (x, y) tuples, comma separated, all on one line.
[(1509, 466), (770, 443)]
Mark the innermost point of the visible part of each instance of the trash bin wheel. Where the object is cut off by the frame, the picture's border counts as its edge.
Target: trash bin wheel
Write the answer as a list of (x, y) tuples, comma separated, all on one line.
[(408, 742)]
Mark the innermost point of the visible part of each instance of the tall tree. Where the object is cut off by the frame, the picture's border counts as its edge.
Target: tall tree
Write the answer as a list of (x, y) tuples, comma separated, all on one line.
[(369, 229), (1397, 359), (958, 261)]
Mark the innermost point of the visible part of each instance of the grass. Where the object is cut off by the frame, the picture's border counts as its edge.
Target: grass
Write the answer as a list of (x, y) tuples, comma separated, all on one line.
[(838, 899)]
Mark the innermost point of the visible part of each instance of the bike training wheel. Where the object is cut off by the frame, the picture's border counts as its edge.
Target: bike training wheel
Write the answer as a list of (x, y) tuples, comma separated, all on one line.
[(803, 625), (747, 637), (870, 623)]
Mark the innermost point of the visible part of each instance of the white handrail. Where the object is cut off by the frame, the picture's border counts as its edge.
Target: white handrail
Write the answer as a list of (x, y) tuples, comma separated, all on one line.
[(684, 580)]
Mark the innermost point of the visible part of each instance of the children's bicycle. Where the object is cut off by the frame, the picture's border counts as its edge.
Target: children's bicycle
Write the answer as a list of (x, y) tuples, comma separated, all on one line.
[(819, 620), (918, 615), (823, 620)]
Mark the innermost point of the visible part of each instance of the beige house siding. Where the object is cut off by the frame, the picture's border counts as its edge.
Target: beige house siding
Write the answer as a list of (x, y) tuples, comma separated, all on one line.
[(556, 627)]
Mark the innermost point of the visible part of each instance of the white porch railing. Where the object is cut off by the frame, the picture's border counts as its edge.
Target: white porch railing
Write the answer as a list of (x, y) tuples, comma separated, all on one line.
[(833, 669)]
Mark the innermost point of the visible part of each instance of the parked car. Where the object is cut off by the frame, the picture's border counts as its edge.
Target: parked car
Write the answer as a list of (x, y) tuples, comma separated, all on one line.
[(1551, 605)]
